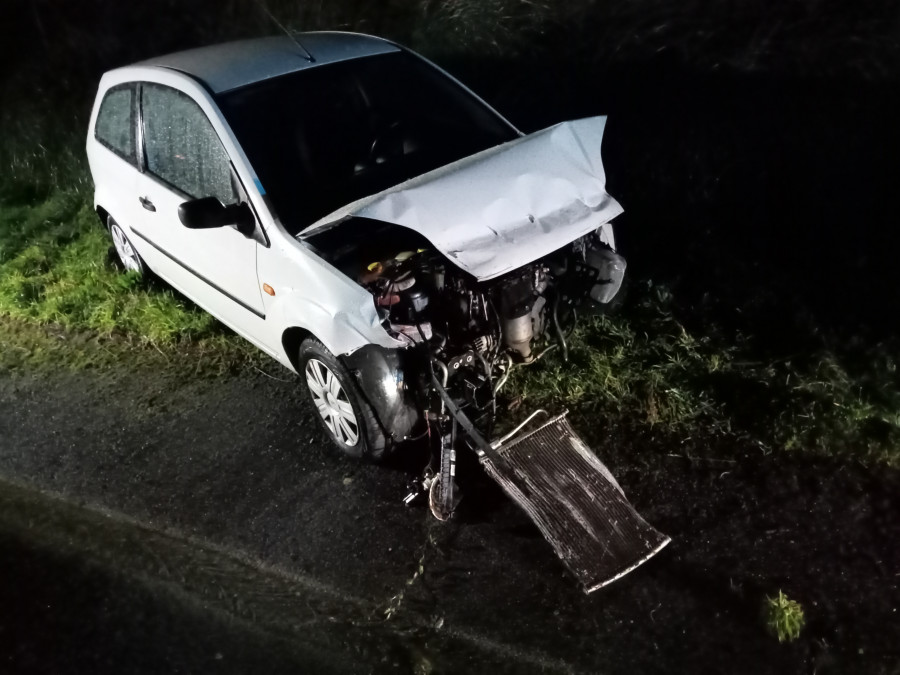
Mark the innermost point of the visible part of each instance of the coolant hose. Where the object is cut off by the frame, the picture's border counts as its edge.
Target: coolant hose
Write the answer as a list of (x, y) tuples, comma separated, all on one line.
[(559, 332)]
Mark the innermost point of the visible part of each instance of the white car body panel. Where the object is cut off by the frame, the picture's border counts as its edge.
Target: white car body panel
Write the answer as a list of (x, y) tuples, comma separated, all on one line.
[(476, 211), (504, 207), (309, 293), (313, 295)]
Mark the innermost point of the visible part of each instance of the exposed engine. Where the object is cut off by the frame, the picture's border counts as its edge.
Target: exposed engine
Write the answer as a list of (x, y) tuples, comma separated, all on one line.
[(433, 252), (464, 336), (426, 299)]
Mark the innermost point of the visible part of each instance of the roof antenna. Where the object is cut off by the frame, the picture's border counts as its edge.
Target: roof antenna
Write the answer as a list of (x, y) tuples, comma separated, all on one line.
[(308, 56)]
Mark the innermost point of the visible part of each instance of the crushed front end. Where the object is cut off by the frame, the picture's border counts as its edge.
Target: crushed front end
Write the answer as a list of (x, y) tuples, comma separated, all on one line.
[(475, 270)]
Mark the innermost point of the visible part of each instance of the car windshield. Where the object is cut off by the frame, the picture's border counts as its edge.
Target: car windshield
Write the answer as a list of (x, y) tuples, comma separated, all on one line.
[(324, 137)]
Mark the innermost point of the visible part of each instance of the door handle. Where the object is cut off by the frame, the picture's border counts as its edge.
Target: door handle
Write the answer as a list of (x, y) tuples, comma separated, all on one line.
[(146, 203)]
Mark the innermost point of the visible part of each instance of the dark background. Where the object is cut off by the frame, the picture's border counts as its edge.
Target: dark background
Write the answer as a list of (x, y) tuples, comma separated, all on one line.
[(752, 144)]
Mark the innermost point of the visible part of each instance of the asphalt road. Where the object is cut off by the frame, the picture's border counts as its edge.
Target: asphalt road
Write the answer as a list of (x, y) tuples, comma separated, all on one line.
[(324, 565)]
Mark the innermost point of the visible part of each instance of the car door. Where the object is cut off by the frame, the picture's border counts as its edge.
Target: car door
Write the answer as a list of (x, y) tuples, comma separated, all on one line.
[(112, 153), (184, 159)]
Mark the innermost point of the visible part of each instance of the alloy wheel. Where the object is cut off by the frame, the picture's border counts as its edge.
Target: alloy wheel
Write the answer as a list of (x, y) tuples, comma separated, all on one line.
[(127, 254), (332, 402)]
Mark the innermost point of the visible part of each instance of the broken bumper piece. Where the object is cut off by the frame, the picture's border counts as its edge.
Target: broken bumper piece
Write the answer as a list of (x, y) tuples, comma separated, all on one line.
[(575, 502)]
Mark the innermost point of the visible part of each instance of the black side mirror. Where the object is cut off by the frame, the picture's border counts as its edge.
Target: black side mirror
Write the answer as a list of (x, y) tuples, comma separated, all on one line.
[(208, 213)]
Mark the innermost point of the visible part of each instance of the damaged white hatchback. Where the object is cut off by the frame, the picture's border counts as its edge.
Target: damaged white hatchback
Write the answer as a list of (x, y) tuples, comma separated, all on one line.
[(367, 220)]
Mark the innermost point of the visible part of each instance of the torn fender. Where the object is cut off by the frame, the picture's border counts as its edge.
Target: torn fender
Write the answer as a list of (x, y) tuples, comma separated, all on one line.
[(311, 294), (504, 207), (381, 375)]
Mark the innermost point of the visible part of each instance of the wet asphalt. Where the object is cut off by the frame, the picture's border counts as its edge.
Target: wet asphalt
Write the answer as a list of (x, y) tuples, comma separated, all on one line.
[(210, 507)]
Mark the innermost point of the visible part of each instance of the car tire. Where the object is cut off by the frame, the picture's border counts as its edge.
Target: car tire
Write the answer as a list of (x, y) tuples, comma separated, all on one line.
[(340, 406), (126, 256)]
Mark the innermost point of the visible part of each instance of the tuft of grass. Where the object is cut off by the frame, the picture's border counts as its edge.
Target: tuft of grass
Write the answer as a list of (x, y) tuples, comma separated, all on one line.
[(783, 617)]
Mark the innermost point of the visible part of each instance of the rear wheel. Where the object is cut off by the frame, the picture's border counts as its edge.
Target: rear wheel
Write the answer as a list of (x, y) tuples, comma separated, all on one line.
[(127, 256), (346, 417)]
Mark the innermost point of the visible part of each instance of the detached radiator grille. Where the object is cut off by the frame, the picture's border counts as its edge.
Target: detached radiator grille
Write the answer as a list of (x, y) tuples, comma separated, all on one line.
[(576, 503)]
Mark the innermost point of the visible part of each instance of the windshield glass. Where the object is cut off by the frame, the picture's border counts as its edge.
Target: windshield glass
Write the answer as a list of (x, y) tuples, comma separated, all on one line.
[(324, 137)]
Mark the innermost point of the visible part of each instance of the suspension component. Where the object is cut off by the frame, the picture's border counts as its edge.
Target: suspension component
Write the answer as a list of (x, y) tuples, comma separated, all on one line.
[(442, 493)]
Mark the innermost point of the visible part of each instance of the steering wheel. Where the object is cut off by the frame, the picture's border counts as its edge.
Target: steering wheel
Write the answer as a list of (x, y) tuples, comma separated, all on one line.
[(388, 144)]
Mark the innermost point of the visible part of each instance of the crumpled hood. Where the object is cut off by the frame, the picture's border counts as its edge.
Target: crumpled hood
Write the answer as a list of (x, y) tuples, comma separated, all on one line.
[(506, 206)]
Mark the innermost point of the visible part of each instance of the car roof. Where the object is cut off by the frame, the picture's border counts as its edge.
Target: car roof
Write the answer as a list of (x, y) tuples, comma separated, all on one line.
[(236, 64)]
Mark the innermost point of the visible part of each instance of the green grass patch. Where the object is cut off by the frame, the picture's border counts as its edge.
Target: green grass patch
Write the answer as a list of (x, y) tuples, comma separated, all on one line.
[(643, 368), (28, 347), (620, 367), (55, 270), (783, 617)]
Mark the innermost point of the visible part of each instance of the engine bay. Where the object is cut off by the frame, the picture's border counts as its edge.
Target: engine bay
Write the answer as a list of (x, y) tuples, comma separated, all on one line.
[(461, 338), (467, 332), (424, 299)]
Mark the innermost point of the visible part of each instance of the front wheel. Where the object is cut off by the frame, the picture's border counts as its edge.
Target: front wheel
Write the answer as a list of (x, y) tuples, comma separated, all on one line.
[(345, 415)]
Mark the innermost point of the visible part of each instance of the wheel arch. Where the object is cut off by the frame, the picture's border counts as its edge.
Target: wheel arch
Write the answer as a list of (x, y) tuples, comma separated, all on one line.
[(377, 374), (291, 339), (325, 313), (103, 215)]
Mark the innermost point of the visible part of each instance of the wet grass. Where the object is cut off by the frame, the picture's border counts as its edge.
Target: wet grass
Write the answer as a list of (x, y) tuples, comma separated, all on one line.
[(644, 368), (64, 303), (784, 618), (30, 347), (54, 269)]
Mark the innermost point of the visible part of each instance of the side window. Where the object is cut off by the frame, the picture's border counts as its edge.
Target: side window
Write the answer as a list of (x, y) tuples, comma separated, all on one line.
[(115, 121), (181, 147)]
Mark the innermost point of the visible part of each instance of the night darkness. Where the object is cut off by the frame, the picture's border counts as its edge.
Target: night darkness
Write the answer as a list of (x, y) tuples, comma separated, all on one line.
[(158, 514)]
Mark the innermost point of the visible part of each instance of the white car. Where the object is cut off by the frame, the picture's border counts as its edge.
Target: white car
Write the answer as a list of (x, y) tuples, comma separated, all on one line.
[(338, 200), (372, 224)]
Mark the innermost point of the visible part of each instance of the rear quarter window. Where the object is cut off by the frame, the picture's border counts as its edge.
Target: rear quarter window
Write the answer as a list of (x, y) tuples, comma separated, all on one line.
[(115, 122)]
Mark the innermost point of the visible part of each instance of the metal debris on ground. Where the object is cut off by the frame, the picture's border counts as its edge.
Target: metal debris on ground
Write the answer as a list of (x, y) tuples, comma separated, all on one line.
[(575, 502)]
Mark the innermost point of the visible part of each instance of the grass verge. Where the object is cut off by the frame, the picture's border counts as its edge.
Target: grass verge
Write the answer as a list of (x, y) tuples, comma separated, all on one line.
[(54, 269), (62, 302), (645, 369), (641, 369)]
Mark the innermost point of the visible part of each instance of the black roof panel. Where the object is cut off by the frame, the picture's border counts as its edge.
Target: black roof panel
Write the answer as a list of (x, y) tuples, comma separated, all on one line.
[(234, 64)]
